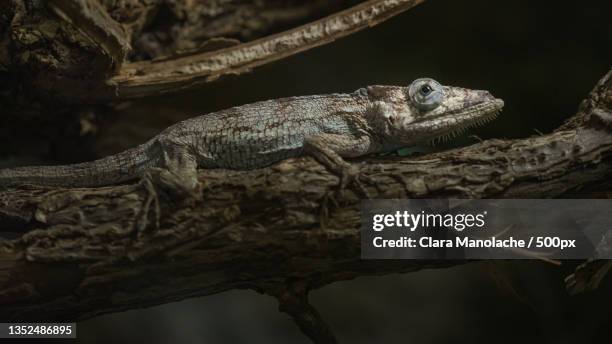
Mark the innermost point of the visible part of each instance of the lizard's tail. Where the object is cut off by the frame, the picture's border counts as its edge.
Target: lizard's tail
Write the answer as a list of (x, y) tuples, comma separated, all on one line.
[(113, 169)]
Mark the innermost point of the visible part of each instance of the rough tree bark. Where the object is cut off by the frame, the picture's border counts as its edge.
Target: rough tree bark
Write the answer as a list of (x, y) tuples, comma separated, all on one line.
[(282, 230)]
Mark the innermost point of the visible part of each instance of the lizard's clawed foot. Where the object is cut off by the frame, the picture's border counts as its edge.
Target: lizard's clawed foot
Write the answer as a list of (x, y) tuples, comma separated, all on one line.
[(352, 174), (150, 204), (172, 185)]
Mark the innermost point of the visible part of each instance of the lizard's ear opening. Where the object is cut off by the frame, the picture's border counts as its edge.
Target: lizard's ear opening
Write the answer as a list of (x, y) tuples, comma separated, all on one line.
[(427, 94)]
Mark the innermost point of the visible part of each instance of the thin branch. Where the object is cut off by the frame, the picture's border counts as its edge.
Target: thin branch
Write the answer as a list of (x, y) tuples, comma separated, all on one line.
[(293, 300), (588, 276), (149, 78)]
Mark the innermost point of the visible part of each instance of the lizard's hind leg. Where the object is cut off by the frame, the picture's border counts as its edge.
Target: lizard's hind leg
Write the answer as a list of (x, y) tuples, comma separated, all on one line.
[(175, 175), (177, 170)]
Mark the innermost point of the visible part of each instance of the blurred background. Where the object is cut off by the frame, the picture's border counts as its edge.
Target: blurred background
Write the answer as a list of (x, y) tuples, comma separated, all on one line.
[(541, 57)]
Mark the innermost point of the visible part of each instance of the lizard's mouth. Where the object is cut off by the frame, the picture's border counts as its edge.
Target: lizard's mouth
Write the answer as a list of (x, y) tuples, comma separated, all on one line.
[(455, 123)]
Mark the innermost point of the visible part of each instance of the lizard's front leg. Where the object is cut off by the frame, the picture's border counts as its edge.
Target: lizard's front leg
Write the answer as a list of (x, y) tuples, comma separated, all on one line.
[(329, 149)]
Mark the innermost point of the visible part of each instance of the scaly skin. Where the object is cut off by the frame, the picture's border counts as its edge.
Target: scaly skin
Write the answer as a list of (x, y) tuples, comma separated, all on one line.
[(329, 127)]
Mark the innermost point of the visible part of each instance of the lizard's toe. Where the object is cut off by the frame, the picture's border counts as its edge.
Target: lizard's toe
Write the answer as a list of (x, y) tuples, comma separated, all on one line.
[(150, 208), (352, 174)]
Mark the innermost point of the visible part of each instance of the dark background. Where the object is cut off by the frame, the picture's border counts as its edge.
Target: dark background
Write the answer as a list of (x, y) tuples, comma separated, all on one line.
[(541, 57)]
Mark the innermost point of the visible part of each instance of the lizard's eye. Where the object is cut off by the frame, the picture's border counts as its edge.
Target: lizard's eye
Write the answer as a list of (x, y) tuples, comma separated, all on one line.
[(425, 90), (426, 94)]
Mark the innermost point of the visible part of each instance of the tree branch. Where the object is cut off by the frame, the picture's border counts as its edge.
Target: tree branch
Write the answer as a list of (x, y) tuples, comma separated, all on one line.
[(98, 41), (149, 78), (76, 253), (293, 300)]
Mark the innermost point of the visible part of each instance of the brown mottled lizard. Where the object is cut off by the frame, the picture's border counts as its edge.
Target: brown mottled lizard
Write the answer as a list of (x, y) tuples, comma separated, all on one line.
[(329, 127)]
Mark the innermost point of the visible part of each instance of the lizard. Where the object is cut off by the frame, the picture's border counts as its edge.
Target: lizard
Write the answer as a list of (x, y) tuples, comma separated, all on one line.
[(328, 127)]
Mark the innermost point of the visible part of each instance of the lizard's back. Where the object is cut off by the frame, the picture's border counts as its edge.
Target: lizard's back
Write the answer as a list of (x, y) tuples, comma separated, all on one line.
[(260, 134), (244, 137)]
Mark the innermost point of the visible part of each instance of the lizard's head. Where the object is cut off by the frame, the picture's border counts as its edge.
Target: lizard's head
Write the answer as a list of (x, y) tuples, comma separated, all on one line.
[(425, 111)]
